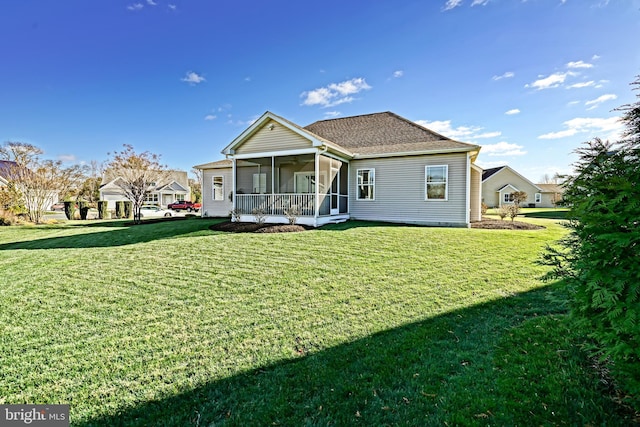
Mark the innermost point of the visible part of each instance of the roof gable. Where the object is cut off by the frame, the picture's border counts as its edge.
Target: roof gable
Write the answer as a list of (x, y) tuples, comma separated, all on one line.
[(507, 168)]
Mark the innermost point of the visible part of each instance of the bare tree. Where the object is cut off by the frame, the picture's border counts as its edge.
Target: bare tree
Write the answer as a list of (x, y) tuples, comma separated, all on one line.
[(90, 189), (37, 182), (195, 185), (136, 174)]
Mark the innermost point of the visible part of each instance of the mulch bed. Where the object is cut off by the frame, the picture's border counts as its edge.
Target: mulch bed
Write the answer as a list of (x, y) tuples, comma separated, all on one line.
[(497, 224), (250, 227)]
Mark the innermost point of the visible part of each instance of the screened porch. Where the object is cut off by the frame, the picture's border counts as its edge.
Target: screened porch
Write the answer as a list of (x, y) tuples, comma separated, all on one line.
[(313, 185)]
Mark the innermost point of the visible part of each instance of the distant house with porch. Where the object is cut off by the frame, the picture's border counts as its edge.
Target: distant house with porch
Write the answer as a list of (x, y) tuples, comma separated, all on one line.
[(173, 188), (499, 184), (379, 167)]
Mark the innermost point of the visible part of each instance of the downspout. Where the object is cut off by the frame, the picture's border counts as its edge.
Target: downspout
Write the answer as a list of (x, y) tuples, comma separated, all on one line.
[(317, 195)]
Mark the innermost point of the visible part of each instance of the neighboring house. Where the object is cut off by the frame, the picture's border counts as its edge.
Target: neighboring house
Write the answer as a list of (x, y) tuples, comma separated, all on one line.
[(42, 199), (552, 195), (5, 171), (499, 184), (379, 167), (173, 188)]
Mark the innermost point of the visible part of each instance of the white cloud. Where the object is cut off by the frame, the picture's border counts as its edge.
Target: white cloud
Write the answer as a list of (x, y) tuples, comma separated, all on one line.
[(135, 6), (335, 93), (331, 114), (491, 164), (398, 74), (579, 64), (581, 85), (506, 75), (462, 132), (193, 78), (210, 117), (451, 4), (479, 2), (609, 128), (151, 3), (599, 100), (172, 6), (554, 80), (67, 158), (595, 57), (512, 112), (503, 149)]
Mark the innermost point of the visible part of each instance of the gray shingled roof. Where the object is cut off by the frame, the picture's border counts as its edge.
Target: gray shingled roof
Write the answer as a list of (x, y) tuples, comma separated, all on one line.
[(383, 133)]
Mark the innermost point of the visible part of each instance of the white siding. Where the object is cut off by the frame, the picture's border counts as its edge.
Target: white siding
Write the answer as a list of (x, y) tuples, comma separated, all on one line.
[(400, 191), (273, 137), (212, 207)]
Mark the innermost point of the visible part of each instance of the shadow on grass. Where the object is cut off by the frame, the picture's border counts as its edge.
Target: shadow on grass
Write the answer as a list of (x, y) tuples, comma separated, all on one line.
[(439, 371), (551, 214), (121, 233)]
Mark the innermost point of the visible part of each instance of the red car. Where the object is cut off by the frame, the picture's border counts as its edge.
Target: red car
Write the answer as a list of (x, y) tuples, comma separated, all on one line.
[(184, 204)]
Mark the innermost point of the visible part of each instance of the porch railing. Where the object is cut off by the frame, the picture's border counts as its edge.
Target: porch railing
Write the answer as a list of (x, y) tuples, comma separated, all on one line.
[(276, 204)]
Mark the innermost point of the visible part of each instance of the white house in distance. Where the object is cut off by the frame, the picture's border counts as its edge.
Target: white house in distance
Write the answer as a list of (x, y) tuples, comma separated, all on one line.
[(379, 167), (499, 184), (175, 187)]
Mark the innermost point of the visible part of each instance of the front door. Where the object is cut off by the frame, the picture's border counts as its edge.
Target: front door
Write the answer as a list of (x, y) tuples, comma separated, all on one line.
[(305, 182)]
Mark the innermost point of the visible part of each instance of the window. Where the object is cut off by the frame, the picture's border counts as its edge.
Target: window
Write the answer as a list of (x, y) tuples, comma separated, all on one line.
[(366, 184), (507, 198), (436, 178), (538, 198), (259, 183), (218, 188), (151, 198)]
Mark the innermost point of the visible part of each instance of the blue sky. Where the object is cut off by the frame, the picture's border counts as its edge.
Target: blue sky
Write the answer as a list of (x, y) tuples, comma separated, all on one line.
[(528, 80)]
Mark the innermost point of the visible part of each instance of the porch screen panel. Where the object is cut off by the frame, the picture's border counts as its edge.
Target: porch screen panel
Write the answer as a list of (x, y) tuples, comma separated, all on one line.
[(324, 185), (344, 188)]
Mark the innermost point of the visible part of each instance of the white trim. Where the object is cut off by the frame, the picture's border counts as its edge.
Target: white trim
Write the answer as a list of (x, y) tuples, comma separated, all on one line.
[(358, 156), (467, 200), (446, 183), (372, 173), (276, 153), (213, 188)]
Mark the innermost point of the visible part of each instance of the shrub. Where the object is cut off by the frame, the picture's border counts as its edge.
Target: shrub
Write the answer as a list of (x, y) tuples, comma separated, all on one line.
[(69, 209), (503, 211), (235, 214), (599, 258), (260, 215), (292, 214), (128, 209), (513, 211), (83, 206), (102, 209), (518, 197), (120, 209), (483, 208)]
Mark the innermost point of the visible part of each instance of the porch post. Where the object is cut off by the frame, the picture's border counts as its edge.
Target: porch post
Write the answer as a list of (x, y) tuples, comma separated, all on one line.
[(316, 207), (273, 175), (233, 182)]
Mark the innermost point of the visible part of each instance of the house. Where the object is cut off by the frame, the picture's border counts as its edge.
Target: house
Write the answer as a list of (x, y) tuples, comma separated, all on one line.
[(174, 187), (6, 166), (36, 198), (499, 184), (379, 167)]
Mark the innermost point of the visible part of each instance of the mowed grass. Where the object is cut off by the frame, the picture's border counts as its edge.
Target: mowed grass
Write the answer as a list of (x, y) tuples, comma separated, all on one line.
[(357, 323)]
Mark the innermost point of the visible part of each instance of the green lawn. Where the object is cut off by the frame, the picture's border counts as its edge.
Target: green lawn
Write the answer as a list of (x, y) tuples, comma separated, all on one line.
[(357, 323)]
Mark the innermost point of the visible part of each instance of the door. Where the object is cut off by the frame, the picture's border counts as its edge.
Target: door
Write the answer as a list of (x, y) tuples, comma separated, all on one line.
[(335, 188), (305, 182)]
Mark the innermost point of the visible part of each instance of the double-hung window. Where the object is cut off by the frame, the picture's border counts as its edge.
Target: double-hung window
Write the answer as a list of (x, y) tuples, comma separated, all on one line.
[(538, 198), (366, 189), (217, 188), (436, 182)]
